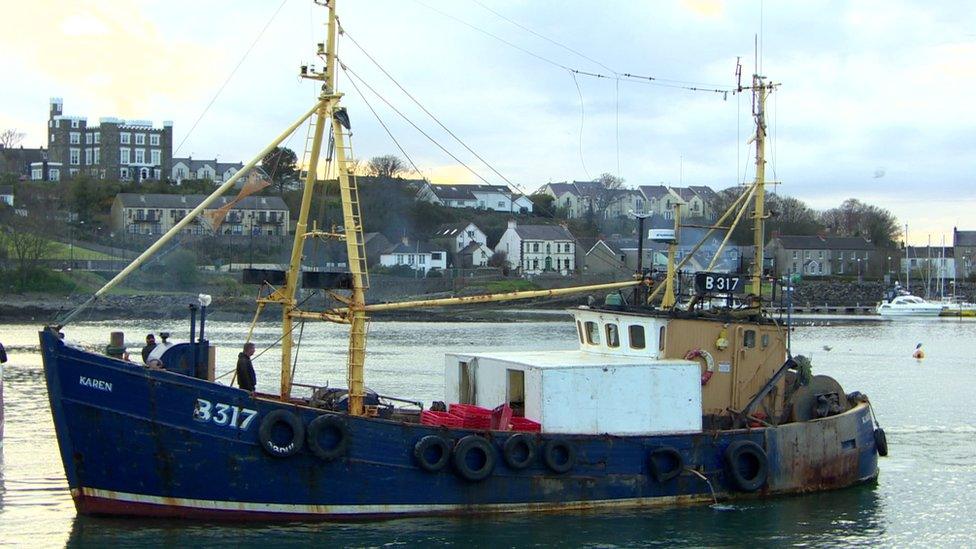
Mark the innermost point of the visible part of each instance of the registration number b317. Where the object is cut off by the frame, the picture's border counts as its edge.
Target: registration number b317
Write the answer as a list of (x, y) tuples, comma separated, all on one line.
[(225, 415)]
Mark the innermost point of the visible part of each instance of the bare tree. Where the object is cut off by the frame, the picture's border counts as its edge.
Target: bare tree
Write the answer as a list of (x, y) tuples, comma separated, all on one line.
[(386, 166), (10, 138), (26, 238), (608, 191)]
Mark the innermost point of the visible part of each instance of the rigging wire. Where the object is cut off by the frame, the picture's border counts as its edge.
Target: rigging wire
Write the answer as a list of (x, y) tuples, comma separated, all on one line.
[(353, 74), (582, 118), (231, 75), (423, 108), (383, 124), (627, 77)]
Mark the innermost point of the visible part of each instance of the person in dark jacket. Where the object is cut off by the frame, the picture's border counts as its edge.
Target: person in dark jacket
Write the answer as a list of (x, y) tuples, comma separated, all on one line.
[(245, 370), (150, 345)]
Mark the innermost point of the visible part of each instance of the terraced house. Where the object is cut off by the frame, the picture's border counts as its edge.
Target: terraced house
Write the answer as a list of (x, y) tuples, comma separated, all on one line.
[(579, 198), (153, 214), (822, 255), (538, 249)]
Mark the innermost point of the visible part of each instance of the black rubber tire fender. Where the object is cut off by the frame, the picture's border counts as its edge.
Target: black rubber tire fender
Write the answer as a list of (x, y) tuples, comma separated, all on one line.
[(297, 430), (326, 422), (748, 465), (519, 451), (550, 455), (881, 442), (421, 453), (474, 443), (665, 463)]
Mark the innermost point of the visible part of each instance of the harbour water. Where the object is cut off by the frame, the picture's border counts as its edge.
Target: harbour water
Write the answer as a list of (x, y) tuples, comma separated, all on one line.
[(923, 495)]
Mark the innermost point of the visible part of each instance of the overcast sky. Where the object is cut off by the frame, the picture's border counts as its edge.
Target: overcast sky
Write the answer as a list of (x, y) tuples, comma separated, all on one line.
[(876, 100)]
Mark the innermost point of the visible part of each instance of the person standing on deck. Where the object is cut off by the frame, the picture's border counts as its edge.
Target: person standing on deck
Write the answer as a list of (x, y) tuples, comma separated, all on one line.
[(245, 370), (150, 345)]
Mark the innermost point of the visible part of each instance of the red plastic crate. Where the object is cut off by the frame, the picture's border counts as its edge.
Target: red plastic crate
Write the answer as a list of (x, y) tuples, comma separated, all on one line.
[(430, 417), (468, 411), (523, 424)]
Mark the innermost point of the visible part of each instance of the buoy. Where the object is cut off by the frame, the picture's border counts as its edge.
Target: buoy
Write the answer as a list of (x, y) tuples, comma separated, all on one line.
[(919, 353)]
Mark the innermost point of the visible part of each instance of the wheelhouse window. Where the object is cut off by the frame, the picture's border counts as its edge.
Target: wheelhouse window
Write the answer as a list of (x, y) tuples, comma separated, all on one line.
[(579, 331), (749, 339), (592, 333), (613, 335), (660, 338), (636, 333)]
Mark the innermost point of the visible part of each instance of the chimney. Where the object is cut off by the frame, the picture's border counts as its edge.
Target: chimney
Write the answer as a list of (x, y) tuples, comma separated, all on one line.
[(512, 224), (774, 234), (822, 235), (405, 241)]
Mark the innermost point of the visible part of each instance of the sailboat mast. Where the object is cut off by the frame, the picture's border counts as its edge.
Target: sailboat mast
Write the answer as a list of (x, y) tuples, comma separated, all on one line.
[(759, 90)]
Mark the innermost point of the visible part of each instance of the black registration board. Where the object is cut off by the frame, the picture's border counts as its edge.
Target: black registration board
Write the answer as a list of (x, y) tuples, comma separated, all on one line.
[(718, 283)]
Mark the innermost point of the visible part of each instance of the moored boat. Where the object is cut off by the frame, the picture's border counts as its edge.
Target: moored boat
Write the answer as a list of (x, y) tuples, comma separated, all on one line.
[(664, 401), (908, 306)]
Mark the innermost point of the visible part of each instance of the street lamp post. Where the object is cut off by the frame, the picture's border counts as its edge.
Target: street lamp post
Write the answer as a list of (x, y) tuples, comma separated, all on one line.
[(859, 269)]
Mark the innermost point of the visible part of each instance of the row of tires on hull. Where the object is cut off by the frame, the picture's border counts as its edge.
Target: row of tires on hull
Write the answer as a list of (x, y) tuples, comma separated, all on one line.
[(474, 457)]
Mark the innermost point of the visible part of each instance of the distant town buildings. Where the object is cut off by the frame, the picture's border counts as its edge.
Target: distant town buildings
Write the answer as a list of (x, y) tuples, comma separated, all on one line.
[(483, 197), (151, 214), (579, 198), (420, 256), (964, 252), (190, 168), (127, 150), (7, 195)]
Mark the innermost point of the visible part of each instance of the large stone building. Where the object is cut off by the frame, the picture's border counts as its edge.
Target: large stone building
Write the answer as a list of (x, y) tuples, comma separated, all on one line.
[(127, 150), (152, 214), (964, 251)]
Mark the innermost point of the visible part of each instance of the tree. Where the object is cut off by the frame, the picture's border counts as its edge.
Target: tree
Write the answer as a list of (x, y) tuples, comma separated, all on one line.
[(608, 191), (542, 205), (281, 166), (181, 268), (791, 216), (26, 238), (499, 260), (855, 218), (387, 165), (10, 138)]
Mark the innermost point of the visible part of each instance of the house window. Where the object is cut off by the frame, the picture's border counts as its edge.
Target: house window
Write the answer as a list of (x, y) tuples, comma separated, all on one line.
[(535, 246), (75, 156), (613, 335), (140, 139), (140, 156), (794, 254), (154, 139), (124, 174), (55, 174), (124, 138), (37, 174), (96, 156), (124, 155), (156, 157), (501, 204), (88, 139), (535, 264), (423, 259), (74, 123), (548, 248), (435, 256), (98, 138), (411, 259), (74, 138), (806, 254), (592, 333), (636, 333), (567, 265), (820, 254), (88, 156)]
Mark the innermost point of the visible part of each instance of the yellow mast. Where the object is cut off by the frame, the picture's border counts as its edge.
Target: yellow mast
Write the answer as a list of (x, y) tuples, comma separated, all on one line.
[(759, 88)]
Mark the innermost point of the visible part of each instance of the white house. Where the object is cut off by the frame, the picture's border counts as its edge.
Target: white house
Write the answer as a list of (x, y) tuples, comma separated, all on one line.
[(485, 197), (218, 172), (421, 256), (7, 195), (535, 249), (459, 235), (475, 254)]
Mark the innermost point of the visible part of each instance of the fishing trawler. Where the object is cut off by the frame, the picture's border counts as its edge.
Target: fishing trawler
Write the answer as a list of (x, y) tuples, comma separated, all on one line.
[(664, 401)]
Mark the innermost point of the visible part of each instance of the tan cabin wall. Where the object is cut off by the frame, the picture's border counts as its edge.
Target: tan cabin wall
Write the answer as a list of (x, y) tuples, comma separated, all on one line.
[(749, 368)]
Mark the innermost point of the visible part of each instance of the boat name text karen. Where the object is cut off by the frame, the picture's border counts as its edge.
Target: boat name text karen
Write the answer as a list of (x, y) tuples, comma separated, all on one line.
[(95, 383)]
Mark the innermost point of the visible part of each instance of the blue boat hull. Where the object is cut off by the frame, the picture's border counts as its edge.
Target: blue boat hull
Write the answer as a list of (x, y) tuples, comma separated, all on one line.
[(135, 441)]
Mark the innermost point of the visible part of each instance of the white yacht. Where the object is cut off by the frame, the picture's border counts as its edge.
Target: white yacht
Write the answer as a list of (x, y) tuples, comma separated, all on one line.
[(908, 305)]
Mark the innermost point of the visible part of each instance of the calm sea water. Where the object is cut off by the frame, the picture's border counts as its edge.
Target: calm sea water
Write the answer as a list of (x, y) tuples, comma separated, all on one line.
[(923, 497)]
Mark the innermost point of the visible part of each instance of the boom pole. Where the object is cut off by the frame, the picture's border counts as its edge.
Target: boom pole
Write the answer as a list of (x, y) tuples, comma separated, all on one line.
[(759, 88)]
